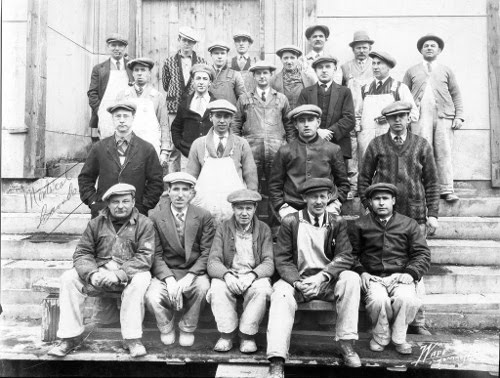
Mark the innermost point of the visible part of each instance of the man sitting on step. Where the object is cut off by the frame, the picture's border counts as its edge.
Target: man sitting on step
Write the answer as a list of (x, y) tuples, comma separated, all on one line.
[(114, 255), (392, 255), (313, 258)]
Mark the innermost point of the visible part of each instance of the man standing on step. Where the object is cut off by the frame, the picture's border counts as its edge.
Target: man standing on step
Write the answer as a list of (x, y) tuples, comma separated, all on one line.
[(313, 257), (114, 255), (108, 79), (242, 61), (438, 96), (241, 266), (391, 257), (176, 79), (180, 282), (121, 158)]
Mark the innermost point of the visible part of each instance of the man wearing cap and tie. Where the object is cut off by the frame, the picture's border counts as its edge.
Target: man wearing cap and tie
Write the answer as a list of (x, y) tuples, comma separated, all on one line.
[(222, 162), (291, 79), (313, 257), (438, 97), (380, 92), (242, 61), (335, 102), (228, 83), (113, 255), (193, 119), (107, 80), (391, 255), (151, 117), (241, 266), (176, 79), (303, 159), (121, 158), (183, 234)]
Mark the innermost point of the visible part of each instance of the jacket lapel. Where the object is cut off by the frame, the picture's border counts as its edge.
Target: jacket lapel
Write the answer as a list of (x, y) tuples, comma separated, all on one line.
[(334, 97), (313, 91), (169, 229), (111, 150), (190, 230), (105, 68), (133, 149)]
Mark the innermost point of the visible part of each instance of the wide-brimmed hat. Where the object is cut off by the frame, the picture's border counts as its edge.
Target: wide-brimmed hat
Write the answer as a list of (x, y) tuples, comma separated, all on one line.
[(427, 37), (361, 36)]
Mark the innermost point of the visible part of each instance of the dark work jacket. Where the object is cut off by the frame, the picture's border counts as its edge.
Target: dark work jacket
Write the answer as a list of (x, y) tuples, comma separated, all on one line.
[(142, 169), (399, 247)]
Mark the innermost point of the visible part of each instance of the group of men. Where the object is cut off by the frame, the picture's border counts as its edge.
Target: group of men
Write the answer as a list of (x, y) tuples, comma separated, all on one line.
[(239, 125)]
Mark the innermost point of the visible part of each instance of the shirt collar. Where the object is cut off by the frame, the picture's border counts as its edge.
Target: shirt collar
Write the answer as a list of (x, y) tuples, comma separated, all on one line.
[(321, 219), (310, 141), (205, 96), (403, 136), (259, 91), (122, 62), (383, 80), (328, 85), (246, 56), (128, 138), (175, 212)]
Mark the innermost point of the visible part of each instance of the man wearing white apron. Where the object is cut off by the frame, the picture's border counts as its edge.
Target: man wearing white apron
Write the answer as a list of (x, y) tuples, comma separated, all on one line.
[(222, 163), (313, 256), (382, 91), (151, 117), (108, 79)]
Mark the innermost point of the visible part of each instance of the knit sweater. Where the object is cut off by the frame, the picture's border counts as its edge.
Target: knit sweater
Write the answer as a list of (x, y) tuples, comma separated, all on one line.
[(410, 167)]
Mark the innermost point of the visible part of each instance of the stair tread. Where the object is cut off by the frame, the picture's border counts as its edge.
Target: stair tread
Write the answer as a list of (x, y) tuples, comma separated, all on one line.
[(463, 243), (445, 269)]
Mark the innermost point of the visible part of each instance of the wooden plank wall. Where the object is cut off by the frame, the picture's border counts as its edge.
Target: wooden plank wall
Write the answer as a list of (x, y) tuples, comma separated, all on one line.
[(396, 25)]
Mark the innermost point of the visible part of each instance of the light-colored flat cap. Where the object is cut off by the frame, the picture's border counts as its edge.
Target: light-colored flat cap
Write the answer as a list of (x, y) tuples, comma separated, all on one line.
[(324, 59), (116, 37), (396, 107), (201, 67), (289, 48), (146, 62), (305, 109), (188, 33), (221, 106), (243, 34), (119, 190), (244, 195), (219, 45), (184, 177), (382, 55), (262, 65), (127, 105)]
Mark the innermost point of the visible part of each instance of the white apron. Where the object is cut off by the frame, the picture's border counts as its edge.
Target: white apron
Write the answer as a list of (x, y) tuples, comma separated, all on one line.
[(310, 247), (146, 125), (217, 179), (118, 81)]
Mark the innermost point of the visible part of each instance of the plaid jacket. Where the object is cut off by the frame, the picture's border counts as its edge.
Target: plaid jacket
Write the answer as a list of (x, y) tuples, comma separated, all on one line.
[(173, 80)]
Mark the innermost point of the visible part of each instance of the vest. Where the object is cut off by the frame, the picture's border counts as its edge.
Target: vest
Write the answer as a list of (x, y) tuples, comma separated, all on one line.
[(323, 103)]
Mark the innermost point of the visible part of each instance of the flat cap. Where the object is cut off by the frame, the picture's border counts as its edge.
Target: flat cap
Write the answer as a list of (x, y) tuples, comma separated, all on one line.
[(397, 107), (315, 184), (324, 59), (188, 33), (127, 105), (243, 34), (310, 30), (142, 62), (115, 37), (305, 109), (382, 55), (289, 48), (219, 45), (221, 106), (381, 187), (244, 195), (184, 177), (428, 37), (361, 36), (201, 67), (262, 65), (119, 190)]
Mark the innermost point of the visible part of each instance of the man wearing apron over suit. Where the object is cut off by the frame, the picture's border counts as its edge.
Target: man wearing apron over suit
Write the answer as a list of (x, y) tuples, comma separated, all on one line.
[(151, 117), (108, 79), (313, 256), (222, 162), (382, 91)]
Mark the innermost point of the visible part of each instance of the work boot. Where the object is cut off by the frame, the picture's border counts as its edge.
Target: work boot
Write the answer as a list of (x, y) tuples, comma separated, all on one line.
[(223, 345), (135, 347), (418, 330), (376, 347), (351, 358), (404, 348), (168, 338), (276, 368), (65, 346), (248, 346), (450, 197), (186, 339)]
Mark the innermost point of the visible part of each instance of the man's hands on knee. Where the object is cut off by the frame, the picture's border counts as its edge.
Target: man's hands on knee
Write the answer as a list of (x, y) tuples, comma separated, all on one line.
[(366, 278), (186, 281), (310, 286), (432, 225), (403, 278), (247, 280), (104, 277), (174, 292), (234, 284)]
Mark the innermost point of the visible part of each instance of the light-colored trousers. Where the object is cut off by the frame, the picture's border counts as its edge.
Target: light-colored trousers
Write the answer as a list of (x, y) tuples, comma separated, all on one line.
[(391, 307), (72, 303), (223, 304), (346, 292), (193, 303)]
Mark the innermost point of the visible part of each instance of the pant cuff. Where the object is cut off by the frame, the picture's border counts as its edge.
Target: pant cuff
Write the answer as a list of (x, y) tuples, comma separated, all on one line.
[(166, 328), (71, 334)]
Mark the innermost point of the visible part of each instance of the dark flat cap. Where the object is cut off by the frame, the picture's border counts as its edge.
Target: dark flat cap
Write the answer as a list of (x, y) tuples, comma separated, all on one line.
[(310, 30), (201, 67), (324, 59), (219, 45), (382, 55), (221, 106), (262, 65), (244, 195), (397, 107), (361, 37), (127, 105), (428, 37), (142, 62), (305, 109), (381, 187), (243, 34), (315, 184), (184, 177), (289, 48), (115, 37), (119, 190), (188, 33)]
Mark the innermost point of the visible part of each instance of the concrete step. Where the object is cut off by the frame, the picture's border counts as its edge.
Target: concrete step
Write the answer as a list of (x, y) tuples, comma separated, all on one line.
[(39, 246), (450, 279), (476, 228), (465, 252), (26, 223), (21, 274)]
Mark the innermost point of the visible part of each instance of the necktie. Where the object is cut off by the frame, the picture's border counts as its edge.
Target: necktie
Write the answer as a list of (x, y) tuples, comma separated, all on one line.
[(316, 221), (324, 87), (199, 105), (264, 96), (398, 140), (379, 84), (241, 62), (384, 222), (139, 90), (122, 145), (361, 64), (118, 65), (429, 67), (220, 148), (180, 227)]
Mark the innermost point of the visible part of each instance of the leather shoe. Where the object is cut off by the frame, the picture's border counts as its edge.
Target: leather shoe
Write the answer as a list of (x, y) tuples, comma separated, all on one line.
[(168, 338), (450, 197), (376, 347), (65, 346), (223, 345), (351, 358), (276, 369), (135, 347), (404, 348), (186, 339), (248, 346), (419, 330)]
